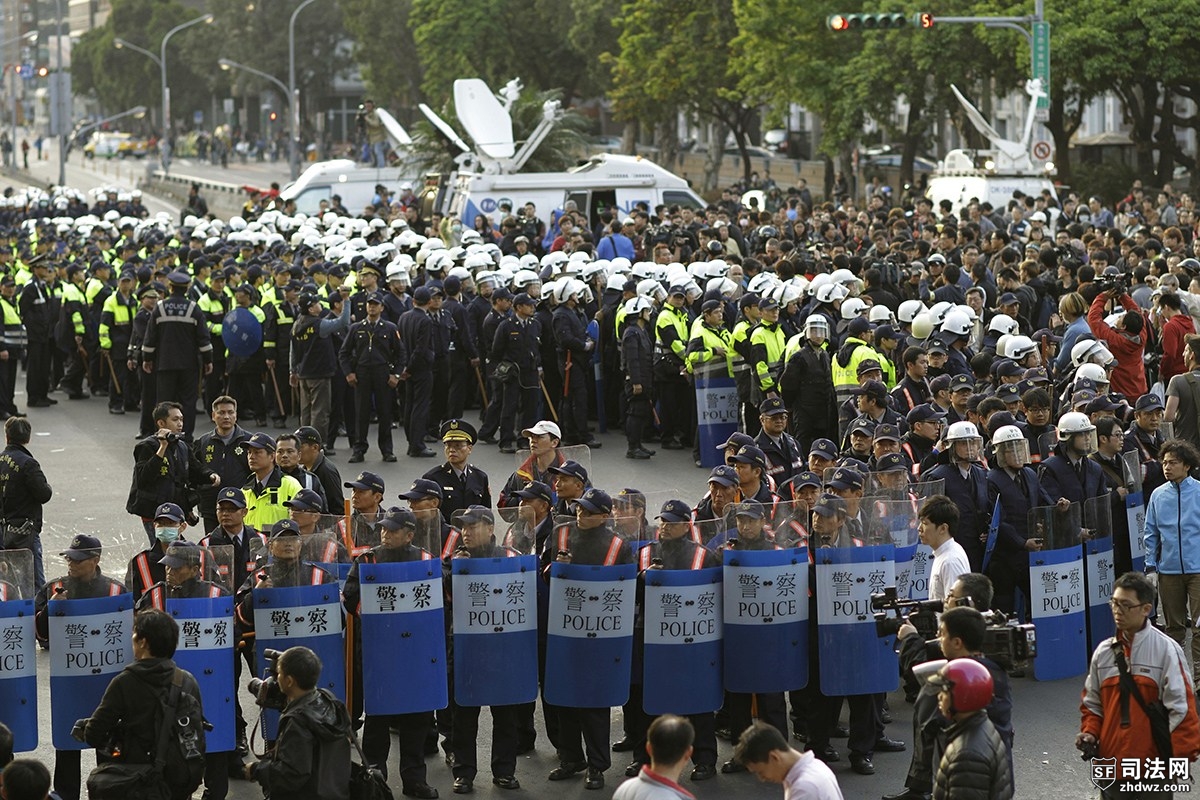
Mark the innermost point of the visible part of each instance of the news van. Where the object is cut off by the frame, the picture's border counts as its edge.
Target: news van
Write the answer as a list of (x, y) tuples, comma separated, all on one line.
[(604, 181), (353, 182)]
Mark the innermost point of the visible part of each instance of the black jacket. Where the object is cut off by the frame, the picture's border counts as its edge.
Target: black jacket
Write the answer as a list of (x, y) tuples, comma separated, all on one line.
[(637, 354), (130, 711), (327, 473), (416, 332), (974, 765), (168, 479), (311, 760), (227, 460), (25, 487)]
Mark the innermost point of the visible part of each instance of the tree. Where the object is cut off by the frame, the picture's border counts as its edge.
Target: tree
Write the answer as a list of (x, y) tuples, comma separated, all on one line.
[(674, 56), (381, 29)]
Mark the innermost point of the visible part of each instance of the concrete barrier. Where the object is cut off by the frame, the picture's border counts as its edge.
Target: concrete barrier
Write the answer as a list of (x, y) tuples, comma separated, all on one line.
[(224, 200)]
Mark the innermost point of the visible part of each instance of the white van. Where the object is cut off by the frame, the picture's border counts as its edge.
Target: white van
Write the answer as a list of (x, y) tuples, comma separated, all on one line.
[(957, 179), (353, 182), (604, 181)]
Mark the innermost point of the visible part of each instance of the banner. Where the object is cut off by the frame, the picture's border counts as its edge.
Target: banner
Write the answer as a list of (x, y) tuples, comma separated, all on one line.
[(90, 642), (853, 658), (1056, 589), (589, 644), (495, 630), (716, 411), (684, 620), (403, 623), (307, 616), (766, 620), (18, 649)]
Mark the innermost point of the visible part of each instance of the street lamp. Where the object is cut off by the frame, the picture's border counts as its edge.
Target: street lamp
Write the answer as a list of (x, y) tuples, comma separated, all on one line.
[(294, 151), (166, 92), (62, 102), (122, 44), (227, 65)]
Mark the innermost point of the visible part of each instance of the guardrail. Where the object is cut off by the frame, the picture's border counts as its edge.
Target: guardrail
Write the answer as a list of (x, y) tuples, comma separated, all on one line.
[(224, 199)]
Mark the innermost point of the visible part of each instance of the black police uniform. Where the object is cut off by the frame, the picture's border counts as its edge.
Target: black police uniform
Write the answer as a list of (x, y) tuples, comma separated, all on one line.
[(486, 331), (412, 728), (417, 333), (806, 387), (637, 356), (228, 460), (34, 305), (277, 344), (784, 457), (461, 377), (442, 337), (144, 571), (374, 352), (172, 349), (516, 343), (460, 489), (574, 359)]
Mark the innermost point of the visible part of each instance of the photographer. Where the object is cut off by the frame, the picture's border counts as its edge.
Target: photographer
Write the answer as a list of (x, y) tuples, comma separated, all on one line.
[(166, 470), (961, 631), (1126, 341), (25, 492), (311, 757)]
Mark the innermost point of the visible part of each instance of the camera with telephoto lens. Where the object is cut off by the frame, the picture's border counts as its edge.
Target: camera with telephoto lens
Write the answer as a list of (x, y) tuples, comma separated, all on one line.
[(266, 690), (1111, 283), (891, 612)]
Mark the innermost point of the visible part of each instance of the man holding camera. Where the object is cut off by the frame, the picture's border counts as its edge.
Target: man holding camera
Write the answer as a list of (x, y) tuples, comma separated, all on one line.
[(165, 470), (961, 631), (1127, 340), (311, 757)]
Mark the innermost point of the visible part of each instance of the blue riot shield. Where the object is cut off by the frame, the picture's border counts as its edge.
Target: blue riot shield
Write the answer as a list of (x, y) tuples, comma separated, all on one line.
[(495, 630), (683, 662), (90, 642), (403, 622), (589, 642), (18, 649), (242, 332), (766, 619), (1099, 575), (1135, 510), (205, 649), (716, 409), (301, 616), (1056, 589), (854, 659), (897, 521)]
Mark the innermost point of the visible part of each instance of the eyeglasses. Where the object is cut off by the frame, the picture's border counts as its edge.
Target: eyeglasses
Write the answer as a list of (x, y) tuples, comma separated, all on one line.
[(1123, 606)]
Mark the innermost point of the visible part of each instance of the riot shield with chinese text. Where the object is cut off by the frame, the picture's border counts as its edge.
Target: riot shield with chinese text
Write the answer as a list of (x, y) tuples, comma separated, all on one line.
[(854, 658), (895, 522), (766, 617), (1135, 510), (18, 649), (1099, 573), (682, 666), (716, 410), (1057, 597)]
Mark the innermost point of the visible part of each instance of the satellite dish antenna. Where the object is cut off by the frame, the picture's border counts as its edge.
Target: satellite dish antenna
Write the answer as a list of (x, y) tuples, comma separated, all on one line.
[(444, 128), (485, 120), (399, 136), (1012, 155)]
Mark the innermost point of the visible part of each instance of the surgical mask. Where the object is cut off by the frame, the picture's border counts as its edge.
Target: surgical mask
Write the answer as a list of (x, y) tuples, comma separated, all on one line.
[(166, 534)]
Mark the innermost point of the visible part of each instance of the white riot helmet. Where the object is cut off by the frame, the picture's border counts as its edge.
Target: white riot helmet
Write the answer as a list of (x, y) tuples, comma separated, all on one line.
[(1018, 347), (922, 325), (636, 305), (852, 306), (762, 283), (1082, 350), (1012, 448), (789, 293), (909, 310), (830, 292), (938, 312), (652, 289), (970, 312), (956, 323), (816, 325), (1003, 323), (524, 278), (564, 290), (1094, 373), (972, 442), (881, 315), (817, 282), (1078, 431)]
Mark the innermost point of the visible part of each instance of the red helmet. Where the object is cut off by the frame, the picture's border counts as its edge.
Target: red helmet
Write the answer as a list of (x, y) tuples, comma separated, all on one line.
[(969, 682)]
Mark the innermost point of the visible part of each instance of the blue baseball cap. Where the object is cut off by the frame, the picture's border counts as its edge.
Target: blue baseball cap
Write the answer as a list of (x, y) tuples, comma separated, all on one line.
[(536, 490), (422, 489), (366, 480), (724, 475), (169, 511), (675, 511), (825, 449), (596, 501), (305, 500)]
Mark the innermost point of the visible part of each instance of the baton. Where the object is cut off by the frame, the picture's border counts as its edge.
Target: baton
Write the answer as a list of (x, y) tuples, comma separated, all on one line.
[(278, 396), (112, 372), (549, 402), (87, 372), (482, 391)]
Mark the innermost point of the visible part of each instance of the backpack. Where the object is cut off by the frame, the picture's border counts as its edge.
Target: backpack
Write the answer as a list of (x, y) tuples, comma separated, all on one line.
[(183, 759)]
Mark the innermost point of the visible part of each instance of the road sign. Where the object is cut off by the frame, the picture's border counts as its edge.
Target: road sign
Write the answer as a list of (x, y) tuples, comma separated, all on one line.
[(1042, 150), (1041, 65)]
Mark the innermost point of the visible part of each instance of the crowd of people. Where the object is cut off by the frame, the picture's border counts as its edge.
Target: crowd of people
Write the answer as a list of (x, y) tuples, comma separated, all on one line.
[(1012, 359)]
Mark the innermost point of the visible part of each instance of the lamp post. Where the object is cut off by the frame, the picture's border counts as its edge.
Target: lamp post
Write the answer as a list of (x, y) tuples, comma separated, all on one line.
[(124, 44), (63, 103), (166, 92), (226, 64), (293, 93)]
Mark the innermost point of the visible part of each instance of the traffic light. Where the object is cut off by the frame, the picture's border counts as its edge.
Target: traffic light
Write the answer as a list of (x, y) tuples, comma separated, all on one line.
[(867, 22), (923, 20), (274, 116)]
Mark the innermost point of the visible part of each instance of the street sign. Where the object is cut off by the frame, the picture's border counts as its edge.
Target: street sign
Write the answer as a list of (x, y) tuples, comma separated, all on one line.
[(197, 117), (227, 105), (1041, 150), (1041, 66)]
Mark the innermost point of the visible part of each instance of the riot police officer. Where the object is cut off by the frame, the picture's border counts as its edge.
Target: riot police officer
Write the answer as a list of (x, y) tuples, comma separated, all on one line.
[(463, 484), (515, 361), (416, 331), (169, 351), (373, 358)]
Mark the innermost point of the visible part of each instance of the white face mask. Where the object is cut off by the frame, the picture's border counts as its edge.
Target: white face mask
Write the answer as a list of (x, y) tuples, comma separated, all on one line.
[(166, 535)]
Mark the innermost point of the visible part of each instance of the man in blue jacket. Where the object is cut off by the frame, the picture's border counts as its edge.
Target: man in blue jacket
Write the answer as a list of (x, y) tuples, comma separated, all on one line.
[(1173, 541)]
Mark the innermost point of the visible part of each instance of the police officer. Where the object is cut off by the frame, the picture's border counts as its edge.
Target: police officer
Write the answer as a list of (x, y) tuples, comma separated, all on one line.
[(462, 483), (214, 303), (516, 365), (115, 331), (245, 372), (73, 319), (670, 383), (277, 345), (464, 358), (34, 305), (590, 540), (966, 484), (806, 384), (267, 488), (443, 335), (397, 528), (182, 579), (373, 358), (83, 581), (574, 353), (169, 351), (14, 341), (497, 306), (766, 352), (145, 569), (314, 360), (784, 456), (479, 541), (637, 358), (222, 450), (280, 567), (366, 498), (672, 550), (416, 331)]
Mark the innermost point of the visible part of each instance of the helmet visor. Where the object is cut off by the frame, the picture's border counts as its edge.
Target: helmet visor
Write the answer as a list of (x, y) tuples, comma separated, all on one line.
[(1013, 455)]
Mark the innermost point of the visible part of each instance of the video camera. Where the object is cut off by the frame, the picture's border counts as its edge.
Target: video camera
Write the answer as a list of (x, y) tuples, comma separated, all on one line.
[(1111, 283), (266, 691), (1005, 641)]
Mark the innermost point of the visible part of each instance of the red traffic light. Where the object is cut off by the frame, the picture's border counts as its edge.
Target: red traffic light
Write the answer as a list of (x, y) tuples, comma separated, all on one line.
[(838, 22), (274, 116), (924, 20)]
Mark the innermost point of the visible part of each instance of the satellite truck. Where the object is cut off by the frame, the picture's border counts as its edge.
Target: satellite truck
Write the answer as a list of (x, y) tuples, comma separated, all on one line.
[(992, 175), (487, 176)]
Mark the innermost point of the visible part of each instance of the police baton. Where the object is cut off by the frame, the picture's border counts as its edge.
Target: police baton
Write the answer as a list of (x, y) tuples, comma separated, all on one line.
[(549, 402), (112, 372), (482, 391), (278, 396)]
